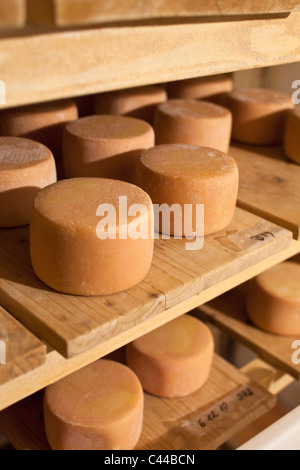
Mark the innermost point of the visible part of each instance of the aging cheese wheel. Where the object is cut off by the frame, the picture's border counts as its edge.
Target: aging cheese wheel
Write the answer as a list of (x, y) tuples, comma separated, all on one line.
[(25, 168), (212, 87), (100, 407), (185, 174), (83, 242), (259, 115), (292, 136), (41, 122), (173, 360), (136, 102), (194, 123), (105, 146), (273, 300)]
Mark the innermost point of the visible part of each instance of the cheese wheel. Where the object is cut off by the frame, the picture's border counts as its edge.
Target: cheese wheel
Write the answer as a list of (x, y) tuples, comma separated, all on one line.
[(273, 300), (292, 136), (72, 253), (41, 122), (25, 168), (259, 115), (193, 122), (135, 102), (213, 87), (100, 407), (185, 174), (105, 146), (173, 360)]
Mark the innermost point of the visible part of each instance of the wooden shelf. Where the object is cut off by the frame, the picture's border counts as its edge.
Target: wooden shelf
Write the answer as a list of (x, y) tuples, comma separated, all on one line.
[(168, 423), (46, 64), (269, 185), (73, 325), (70, 12), (24, 352), (228, 312)]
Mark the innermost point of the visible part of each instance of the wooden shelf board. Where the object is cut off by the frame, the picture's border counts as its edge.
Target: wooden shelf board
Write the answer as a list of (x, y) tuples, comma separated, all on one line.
[(56, 366), (168, 423), (12, 14), (269, 185), (73, 325), (53, 64), (24, 352), (70, 12), (229, 313)]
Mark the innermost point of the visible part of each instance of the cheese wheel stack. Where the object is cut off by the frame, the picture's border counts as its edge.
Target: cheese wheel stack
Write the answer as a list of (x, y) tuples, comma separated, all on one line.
[(292, 136), (173, 360), (135, 102), (41, 122), (185, 174), (273, 300), (193, 122), (105, 146), (25, 168), (205, 88), (80, 239), (259, 115), (100, 407)]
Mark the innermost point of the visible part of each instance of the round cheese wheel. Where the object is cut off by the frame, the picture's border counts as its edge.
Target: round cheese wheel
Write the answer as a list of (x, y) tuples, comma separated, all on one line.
[(25, 168), (173, 360), (100, 407), (105, 146), (259, 115), (212, 87), (193, 122), (136, 102), (292, 136), (41, 122), (273, 300), (185, 174), (76, 251)]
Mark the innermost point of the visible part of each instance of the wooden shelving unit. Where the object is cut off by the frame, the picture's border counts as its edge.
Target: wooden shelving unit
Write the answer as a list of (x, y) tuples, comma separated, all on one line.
[(61, 55)]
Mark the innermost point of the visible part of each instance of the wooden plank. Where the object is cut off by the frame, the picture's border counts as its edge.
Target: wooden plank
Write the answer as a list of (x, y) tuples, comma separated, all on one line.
[(168, 424), (229, 313), (12, 13), (269, 187), (74, 324), (22, 351), (78, 12), (88, 61)]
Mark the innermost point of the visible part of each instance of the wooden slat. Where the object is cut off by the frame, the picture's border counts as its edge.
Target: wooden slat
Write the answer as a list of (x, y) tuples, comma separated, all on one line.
[(12, 13), (23, 351), (73, 324), (77, 12), (50, 65), (229, 313), (269, 185), (168, 423)]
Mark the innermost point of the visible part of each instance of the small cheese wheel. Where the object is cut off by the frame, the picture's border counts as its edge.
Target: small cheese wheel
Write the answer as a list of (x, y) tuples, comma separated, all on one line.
[(273, 300), (41, 122), (259, 115), (185, 174), (105, 146), (25, 168), (68, 252), (135, 102), (100, 407), (173, 360), (292, 136), (212, 87), (194, 123)]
